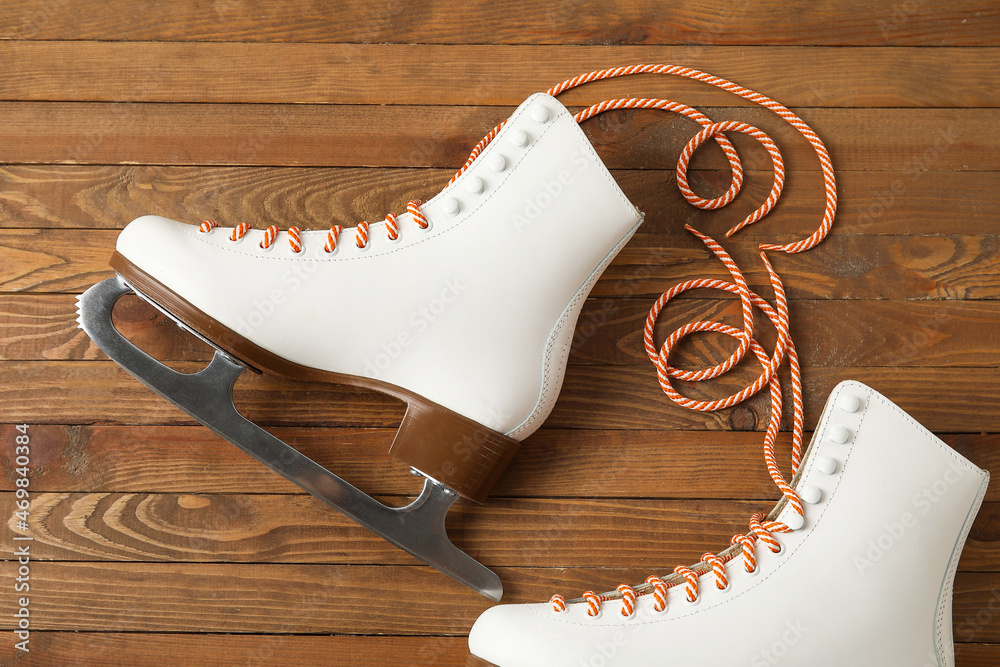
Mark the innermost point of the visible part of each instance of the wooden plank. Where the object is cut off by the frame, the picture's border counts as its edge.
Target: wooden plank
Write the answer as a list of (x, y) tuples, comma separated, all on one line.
[(476, 75), (953, 399), (842, 267), (976, 655), (147, 649), (302, 598), (442, 136), (103, 196), (852, 333), (562, 463), (535, 532), (858, 22), (869, 333), (593, 397)]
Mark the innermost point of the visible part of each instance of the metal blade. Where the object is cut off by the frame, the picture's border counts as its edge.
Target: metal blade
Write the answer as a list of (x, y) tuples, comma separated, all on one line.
[(417, 528)]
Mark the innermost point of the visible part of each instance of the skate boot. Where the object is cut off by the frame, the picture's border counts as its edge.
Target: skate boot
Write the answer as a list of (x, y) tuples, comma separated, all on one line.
[(863, 578)]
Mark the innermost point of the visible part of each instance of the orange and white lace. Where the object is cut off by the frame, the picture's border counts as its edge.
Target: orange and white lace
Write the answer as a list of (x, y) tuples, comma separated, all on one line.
[(761, 530), (332, 237)]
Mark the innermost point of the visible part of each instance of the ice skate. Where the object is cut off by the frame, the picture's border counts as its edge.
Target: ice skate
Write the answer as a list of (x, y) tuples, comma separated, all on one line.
[(463, 307), (864, 580)]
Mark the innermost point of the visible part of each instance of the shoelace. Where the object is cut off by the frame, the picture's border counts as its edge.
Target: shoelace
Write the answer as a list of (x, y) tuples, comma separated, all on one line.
[(709, 129), (332, 237), (761, 530)]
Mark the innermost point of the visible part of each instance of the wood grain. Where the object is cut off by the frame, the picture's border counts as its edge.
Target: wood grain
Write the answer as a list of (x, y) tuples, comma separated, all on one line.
[(527, 532), (146, 649), (442, 136), (487, 74), (842, 267), (593, 397), (562, 463), (155, 540), (618, 22), (108, 197), (123, 649), (305, 598), (36, 327)]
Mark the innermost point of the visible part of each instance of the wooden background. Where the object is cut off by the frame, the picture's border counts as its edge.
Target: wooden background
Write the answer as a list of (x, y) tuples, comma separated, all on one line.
[(157, 543)]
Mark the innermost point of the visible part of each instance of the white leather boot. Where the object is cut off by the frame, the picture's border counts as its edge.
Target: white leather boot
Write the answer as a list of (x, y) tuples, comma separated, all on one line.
[(866, 582), (464, 307), (471, 315)]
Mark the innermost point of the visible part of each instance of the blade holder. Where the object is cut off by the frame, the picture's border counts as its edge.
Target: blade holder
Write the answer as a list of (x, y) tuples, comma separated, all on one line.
[(417, 528)]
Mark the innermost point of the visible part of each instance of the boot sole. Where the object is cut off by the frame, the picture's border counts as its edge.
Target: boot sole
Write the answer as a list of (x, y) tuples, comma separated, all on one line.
[(451, 448)]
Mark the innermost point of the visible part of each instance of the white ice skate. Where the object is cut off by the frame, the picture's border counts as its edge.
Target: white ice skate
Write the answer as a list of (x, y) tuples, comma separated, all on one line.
[(464, 307), (866, 581)]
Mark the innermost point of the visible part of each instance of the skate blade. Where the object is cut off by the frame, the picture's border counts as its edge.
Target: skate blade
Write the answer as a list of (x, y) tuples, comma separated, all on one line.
[(417, 528)]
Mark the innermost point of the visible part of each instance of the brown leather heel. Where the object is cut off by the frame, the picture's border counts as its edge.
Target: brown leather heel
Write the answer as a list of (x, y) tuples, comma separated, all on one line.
[(452, 449)]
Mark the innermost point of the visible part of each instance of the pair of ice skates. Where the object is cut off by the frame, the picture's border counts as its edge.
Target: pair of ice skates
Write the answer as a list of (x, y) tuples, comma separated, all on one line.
[(853, 566)]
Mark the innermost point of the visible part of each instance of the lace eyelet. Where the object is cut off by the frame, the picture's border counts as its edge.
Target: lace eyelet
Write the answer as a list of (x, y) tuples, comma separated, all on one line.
[(429, 227), (519, 138), (692, 603), (597, 616), (497, 163), (729, 586), (230, 239), (779, 552), (475, 185), (393, 241), (302, 250), (794, 520), (363, 248), (751, 573), (268, 249), (810, 495), (661, 612)]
